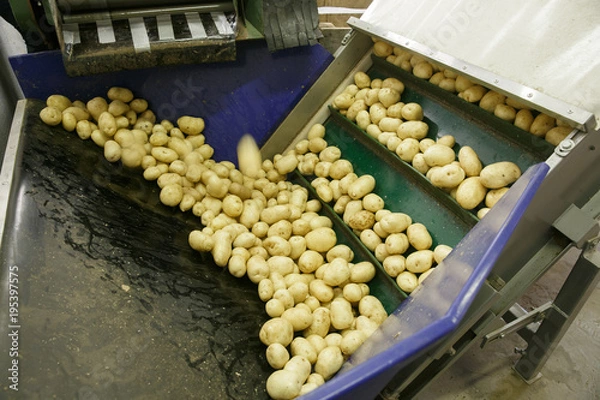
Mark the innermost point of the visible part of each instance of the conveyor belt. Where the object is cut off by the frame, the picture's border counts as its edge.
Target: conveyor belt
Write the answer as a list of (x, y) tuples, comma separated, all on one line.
[(113, 303)]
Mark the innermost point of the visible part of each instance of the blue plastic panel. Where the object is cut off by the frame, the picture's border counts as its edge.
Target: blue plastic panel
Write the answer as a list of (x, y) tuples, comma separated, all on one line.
[(250, 95), (436, 308)]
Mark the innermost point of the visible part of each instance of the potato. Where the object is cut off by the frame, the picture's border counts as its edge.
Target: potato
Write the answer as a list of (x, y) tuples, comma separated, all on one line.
[(382, 49), (499, 174), (462, 83), (299, 317), (284, 385), (396, 243), (385, 137), (51, 116), (341, 313), (490, 100), (377, 112), (361, 186), (448, 177), (408, 149), (112, 151), (419, 163), (395, 222), (362, 272), (274, 308), (329, 361), (473, 94), (353, 111), (423, 70), (556, 135), (440, 252), (412, 129), (516, 104), (190, 125), (436, 78), (69, 121), (351, 89), (448, 84), (523, 119), (371, 307), (388, 96), (302, 347), (470, 193), (393, 83), (321, 239), (316, 131), (118, 108), (542, 124), (469, 161), (505, 112), (277, 355), (412, 112), (447, 140), (119, 93), (494, 195), (373, 131), (340, 251), (439, 155), (84, 129), (418, 236), (371, 97), (343, 101), (424, 275), (352, 341), (361, 220), (407, 281), (352, 292), (58, 101), (79, 113), (336, 272), (388, 124), (370, 239), (321, 320), (372, 202), (482, 212), (394, 265), (362, 80), (107, 124)]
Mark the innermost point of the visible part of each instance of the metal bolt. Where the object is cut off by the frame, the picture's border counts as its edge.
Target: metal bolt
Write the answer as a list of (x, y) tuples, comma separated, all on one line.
[(530, 95), (566, 144), (464, 68), (496, 80), (569, 111)]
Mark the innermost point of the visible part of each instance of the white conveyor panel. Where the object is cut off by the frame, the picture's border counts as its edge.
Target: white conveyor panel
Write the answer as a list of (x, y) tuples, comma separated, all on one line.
[(552, 46)]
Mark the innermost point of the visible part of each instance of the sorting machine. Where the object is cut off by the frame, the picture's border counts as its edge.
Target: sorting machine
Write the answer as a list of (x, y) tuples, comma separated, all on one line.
[(114, 303)]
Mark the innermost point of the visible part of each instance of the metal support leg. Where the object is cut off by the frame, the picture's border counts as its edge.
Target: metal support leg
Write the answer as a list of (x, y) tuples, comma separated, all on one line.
[(572, 296)]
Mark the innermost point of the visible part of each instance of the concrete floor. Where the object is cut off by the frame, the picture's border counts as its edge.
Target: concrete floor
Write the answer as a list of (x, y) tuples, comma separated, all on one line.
[(572, 371)]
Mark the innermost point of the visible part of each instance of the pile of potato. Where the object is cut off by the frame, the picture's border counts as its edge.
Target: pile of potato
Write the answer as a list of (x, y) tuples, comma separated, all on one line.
[(391, 236), (259, 225), (376, 107), (508, 109)]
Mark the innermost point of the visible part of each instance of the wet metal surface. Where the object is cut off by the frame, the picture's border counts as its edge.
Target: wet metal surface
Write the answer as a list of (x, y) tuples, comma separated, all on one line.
[(113, 303)]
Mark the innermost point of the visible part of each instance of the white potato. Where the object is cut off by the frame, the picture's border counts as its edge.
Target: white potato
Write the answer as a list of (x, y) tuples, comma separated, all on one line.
[(418, 236), (469, 161), (500, 174), (470, 193), (407, 281)]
